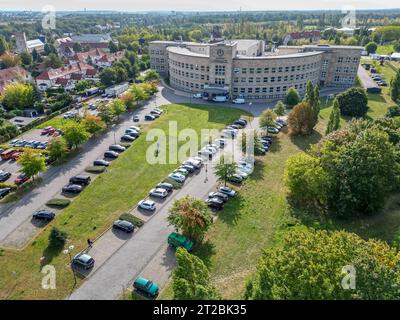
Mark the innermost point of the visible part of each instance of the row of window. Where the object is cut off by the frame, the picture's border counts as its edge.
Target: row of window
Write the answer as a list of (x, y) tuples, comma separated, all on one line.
[(189, 75), (190, 66), (243, 90), (344, 79), (346, 69), (291, 77), (157, 60), (186, 84), (355, 60), (157, 52), (276, 69)]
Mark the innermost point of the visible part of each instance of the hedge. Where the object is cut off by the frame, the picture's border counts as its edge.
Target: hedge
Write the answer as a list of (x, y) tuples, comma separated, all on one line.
[(95, 169), (58, 203), (7, 185), (132, 219)]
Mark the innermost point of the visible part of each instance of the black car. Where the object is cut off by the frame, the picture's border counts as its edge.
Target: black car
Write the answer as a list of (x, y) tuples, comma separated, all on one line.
[(261, 151), (267, 138), (44, 215), (117, 148), (215, 203), (124, 225), (72, 188), (149, 117), (165, 185), (111, 154), (132, 133), (81, 180), (101, 162), (83, 260), (4, 192), (127, 138), (4, 175)]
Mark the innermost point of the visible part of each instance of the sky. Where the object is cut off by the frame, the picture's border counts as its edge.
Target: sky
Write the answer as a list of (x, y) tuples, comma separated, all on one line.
[(194, 5)]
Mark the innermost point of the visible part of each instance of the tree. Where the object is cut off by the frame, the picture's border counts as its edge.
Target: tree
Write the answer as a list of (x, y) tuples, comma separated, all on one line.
[(151, 75), (77, 47), (26, 58), (395, 87), (292, 97), (301, 119), (353, 102), (129, 100), (106, 114), (31, 163), (311, 265), (312, 98), (113, 47), (93, 123), (396, 46), (57, 148), (108, 77), (371, 47), (18, 96), (191, 278), (190, 215), (121, 74), (267, 119), (225, 169), (3, 46), (75, 134), (280, 109), (118, 107), (82, 85), (57, 238), (245, 139), (139, 93), (334, 118), (9, 60), (49, 48), (53, 61), (36, 56)]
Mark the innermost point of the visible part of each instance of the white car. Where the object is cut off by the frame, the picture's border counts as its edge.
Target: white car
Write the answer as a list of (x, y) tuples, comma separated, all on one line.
[(245, 167), (221, 142), (241, 173), (219, 99), (158, 192), (135, 128), (177, 177), (238, 101), (212, 145), (147, 205), (70, 114), (197, 96)]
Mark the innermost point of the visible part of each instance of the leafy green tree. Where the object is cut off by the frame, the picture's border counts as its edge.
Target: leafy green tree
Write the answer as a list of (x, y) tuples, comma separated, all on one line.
[(292, 97), (121, 74), (395, 87), (301, 119), (267, 118), (334, 118), (26, 58), (3, 46), (77, 47), (113, 47), (311, 265), (106, 114), (31, 163), (151, 75), (191, 216), (371, 47), (57, 238), (396, 46), (75, 134), (118, 107), (57, 148), (49, 48), (36, 56), (18, 96), (108, 77), (353, 102), (225, 169), (129, 100), (53, 61), (280, 109), (93, 124), (191, 278), (82, 85)]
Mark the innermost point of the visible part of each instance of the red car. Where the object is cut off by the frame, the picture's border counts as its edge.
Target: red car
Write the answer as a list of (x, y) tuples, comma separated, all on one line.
[(15, 156), (21, 179), (48, 130)]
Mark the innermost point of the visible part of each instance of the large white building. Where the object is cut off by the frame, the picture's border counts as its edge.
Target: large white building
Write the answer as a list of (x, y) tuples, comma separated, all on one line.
[(244, 68)]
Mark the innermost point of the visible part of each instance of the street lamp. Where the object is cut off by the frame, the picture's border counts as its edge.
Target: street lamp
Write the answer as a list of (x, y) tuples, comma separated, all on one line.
[(68, 252), (250, 103)]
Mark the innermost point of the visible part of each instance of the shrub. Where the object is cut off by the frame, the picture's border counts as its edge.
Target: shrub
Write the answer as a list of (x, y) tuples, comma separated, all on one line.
[(132, 219), (95, 169), (58, 203), (353, 102), (57, 238)]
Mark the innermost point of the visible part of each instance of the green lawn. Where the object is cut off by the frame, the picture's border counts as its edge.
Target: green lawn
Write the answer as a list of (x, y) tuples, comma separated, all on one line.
[(114, 192), (385, 49), (57, 122)]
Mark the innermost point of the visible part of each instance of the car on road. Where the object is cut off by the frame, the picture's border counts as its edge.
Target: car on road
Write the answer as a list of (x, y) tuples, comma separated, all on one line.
[(238, 101), (158, 193), (83, 260), (127, 138), (146, 287), (80, 179), (4, 175), (226, 190), (117, 148), (22, 178), (188, 167), (219, 99), (135, 128), (4, 192), (136, 118), (72, 188), (111, 154), (46, 215), (180, 241), (147, 205), (166, 186), (48, 130), (124, 225), (101, 162), (215, 203), (219, 195), (236, 178), (198, 95), (177, 177), (149, 117)]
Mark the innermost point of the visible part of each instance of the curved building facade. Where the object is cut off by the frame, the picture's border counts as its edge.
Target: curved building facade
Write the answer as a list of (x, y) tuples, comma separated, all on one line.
[(243, 68)]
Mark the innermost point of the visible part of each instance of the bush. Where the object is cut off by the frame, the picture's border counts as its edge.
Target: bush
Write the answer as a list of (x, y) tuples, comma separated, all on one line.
[(95, 169), (353, 102), (57, 238), (393, 111), (58, 203), (132, 219)]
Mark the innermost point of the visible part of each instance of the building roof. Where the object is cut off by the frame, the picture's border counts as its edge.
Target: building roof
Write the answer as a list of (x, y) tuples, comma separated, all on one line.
[(91, 38), (11, 75), (34, 43), (64, 71), (186, 52)]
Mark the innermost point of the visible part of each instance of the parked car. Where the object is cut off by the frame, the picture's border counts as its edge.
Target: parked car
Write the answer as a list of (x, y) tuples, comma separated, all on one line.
[(80, 179), (42, 145), (261, 151), (177, 177), (136, 119), (240, 122), (180, 241), (135, 128), (166, 186), (219, 195), (132, 132), (116, 148), (149, 117), (219, 99), (146, 287), (198, 95), (215, 203), (13, 142), (46, 215), (182, 171), (147, 205), (158, 193), (238, 101), (221, 142), (6, 155), (124, 225), (47, 130), (15, 156), (101, 162), (4, 192), (127, 138), (226, 190), (72, 188), (188, 167), (22, 178), (155, 113), (272, 130), (197, 163), (83, 260), (236, 178), (111, 154), (4, 175)]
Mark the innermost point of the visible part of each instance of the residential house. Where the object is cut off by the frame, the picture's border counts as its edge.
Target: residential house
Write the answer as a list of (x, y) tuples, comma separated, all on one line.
[(13, 75)]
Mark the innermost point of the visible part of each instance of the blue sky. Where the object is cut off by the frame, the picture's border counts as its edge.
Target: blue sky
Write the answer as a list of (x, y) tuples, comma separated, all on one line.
[(192, 5)]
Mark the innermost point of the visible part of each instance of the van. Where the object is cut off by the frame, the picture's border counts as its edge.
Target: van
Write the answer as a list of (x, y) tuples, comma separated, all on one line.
[(219, 99), (6, 155)]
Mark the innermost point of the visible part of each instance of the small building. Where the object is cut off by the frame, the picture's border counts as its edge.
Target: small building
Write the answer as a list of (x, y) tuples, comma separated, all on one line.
[(12, 76), (395, 56), (117, 89)]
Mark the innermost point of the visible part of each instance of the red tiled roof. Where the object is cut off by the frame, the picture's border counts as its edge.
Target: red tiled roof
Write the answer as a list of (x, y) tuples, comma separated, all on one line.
[(62, 81), (76, 76), (91, 72), (11, 75), (64, 71)]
